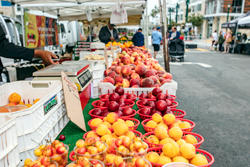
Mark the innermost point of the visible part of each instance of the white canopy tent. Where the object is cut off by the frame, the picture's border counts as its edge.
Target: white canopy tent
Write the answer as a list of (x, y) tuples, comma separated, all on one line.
[(77, 9)]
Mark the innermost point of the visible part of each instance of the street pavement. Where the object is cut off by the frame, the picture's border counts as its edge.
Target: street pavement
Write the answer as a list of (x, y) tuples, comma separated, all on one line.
[(214, 90)]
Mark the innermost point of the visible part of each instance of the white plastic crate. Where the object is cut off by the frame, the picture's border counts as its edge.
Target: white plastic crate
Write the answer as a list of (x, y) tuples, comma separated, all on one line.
[(34, 122), (95, 91), (106, 87), (50, 135), (8, 142)]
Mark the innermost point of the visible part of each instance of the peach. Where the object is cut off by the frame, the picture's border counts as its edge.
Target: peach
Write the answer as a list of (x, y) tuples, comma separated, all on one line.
[(112, 74), (125, 83), (135, 76), (118, 79), (140, 69), (134, 82), (147, 82), (118, 69), (126, 70), (109, 79)]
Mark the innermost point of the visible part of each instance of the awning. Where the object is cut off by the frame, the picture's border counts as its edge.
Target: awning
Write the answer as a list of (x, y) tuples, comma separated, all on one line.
[(233, 23), (77, 9), (244, 22)]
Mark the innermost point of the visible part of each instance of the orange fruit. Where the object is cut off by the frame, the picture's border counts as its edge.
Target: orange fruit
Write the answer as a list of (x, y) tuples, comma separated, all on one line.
[(169, 119), (190, 139), (96, 122), (152, 157), (120, 128), (14, 98), (175, 133), (199, 160), (170, 149), (157, 118), (180, 159), (164, 160), (187, 150), (161, 132)]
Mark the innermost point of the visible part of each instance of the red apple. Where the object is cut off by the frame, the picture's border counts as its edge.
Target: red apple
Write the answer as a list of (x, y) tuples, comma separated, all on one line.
[(143, 102), (119, 113), (161, 96), (151, 104), (145, 111), (106, 96), (119, 90), (113, 106), (62, 137), (127, 111), (156, 91), (114, 97), (161, 105)]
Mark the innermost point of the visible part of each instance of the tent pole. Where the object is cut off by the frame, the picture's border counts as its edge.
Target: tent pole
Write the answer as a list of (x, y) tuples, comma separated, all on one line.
[(146, 27), (164, 33)]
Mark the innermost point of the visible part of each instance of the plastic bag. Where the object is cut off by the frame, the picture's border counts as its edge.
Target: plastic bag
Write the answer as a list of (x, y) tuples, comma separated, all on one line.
[(119, 14)]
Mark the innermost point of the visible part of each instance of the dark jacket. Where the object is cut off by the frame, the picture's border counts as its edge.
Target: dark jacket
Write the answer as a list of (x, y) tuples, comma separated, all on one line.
[(10, 50), (178, 34), (221, 39), (138, 39), (104, 35)]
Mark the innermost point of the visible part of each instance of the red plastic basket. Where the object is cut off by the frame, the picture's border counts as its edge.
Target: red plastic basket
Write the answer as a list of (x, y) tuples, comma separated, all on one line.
[(71, 156), (101, 117), (142, 116), (150, 145), (199, 138), (171, 98), (96, 106), (154, 99), (94, 116), (159, 151), (174, 104), (146, 128), (178, 113), (141, 106), (137, 133), (135, 121), (190, 122), (129, 103), (133, 97), (210, 157)]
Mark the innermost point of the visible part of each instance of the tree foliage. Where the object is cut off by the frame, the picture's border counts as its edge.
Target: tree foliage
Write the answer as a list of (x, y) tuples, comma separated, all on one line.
[(155, 11), (196, 20)]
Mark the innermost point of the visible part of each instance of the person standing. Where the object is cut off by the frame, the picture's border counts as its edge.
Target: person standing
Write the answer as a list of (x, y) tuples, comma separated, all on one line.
[(108, 33), (10, 50), (221, 41), (138, 38), (156, 40), (174, 34), (228, 40), (215, 40)]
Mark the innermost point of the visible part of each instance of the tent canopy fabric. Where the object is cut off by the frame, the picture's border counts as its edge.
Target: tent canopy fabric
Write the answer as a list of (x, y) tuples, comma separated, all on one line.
[(77, 9), (233, 23), (244, 22)]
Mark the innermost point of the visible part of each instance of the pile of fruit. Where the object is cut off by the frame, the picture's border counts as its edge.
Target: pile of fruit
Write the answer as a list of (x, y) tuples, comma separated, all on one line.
[(54, 153), (119, 44), (168, 128), (135, 68), (16, 103), (117, 102), (109, 120), (85, 162)]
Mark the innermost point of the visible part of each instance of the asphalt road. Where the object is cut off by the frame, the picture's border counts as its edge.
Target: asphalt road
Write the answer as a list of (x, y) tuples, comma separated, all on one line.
[(215, 93)]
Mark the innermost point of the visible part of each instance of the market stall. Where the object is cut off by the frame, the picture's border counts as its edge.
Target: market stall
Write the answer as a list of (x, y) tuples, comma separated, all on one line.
[(114, 106)]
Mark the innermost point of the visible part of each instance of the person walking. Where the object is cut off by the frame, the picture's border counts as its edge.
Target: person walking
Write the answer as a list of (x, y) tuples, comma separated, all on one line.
[(221, 41), (215, 40), (228, 40), (156, 40), (138, 38)]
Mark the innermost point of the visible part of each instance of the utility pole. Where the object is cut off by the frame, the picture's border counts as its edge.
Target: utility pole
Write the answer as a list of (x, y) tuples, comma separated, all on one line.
[(176, 16), (186, 19), (164, 33), (170, 13)]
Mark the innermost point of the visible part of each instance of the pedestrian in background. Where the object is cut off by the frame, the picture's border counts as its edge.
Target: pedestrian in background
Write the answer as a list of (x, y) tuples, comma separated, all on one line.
[(138, 38), (221, 41), (156, 40), (174, 34), (228, 40), (215, 40)]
